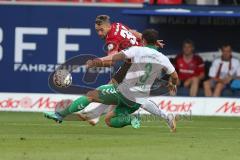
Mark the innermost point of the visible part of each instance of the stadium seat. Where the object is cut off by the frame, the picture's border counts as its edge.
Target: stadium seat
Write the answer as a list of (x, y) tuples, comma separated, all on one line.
[(181, 91), (165, 2), (227, 92), (236, 93)]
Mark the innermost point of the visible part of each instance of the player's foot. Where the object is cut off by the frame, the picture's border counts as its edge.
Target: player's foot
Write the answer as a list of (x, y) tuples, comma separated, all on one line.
[(135, 122), (171, 122), (54, 116), (84, 117)]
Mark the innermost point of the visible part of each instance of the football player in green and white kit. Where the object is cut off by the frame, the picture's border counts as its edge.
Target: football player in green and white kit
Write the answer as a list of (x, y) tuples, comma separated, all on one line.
[(133, 91)]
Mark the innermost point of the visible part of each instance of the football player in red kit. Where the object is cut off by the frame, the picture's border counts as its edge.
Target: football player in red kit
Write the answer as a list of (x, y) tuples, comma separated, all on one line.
[(117, 37)]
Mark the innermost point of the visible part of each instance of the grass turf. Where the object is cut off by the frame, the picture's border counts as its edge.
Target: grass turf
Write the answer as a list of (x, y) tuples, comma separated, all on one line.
[(28, 136)]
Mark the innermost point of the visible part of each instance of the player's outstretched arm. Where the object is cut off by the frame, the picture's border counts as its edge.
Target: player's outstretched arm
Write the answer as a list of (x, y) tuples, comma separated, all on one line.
[(98, 63), (106, 61), (115, 57), (138, 35)]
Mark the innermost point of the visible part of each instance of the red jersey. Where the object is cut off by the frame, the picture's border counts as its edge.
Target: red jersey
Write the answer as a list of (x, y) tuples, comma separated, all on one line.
[(189, 69), (120, 37)]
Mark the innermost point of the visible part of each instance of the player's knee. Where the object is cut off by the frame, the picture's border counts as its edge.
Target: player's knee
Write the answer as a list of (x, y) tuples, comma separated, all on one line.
[(92, 95), (108, 118), (108, 121)]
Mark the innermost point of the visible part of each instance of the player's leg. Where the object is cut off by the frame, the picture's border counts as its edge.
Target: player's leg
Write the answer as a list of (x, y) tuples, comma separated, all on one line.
[(121, 115), (151, 107), (90, 114), (105, 94), (109, 115), (76, 105), (112, 120), (93, 112)]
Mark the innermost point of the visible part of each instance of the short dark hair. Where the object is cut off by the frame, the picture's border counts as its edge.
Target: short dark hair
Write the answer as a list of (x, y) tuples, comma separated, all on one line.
[(150, 35), (188, 41), (100, 19), (224, 45)]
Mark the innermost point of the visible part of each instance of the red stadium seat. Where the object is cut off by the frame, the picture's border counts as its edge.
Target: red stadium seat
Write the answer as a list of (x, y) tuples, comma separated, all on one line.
[(165, 1), (135, 1)]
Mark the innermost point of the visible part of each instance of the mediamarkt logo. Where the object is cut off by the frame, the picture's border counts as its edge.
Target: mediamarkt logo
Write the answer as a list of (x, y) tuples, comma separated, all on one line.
[(229, 107), (170, 106), (30, 103)]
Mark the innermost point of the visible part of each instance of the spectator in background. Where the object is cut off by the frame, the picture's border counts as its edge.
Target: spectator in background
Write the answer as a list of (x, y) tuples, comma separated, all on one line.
[(190, 68), (221, 72)]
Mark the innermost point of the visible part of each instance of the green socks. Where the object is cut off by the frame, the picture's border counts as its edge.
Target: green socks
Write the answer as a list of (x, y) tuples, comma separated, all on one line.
[(77, 105), (120, 121)]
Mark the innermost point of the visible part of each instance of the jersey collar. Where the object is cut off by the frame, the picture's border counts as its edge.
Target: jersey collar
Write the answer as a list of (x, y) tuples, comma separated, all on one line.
[(152, 46)]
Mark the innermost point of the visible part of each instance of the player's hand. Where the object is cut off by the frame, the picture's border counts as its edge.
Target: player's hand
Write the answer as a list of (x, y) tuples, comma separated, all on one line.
[(160, 43), (89, 64), (93, 63), (172, 89)]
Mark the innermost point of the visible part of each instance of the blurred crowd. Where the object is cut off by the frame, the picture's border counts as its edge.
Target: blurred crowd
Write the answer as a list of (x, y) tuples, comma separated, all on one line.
[(222, 75)]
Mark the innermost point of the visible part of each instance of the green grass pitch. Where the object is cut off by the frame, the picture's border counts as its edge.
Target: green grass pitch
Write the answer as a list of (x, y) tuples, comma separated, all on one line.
[(28, 136)]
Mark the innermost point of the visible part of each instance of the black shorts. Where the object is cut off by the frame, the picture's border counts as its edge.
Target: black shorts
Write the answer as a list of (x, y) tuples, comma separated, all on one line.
[(122, 71)]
